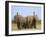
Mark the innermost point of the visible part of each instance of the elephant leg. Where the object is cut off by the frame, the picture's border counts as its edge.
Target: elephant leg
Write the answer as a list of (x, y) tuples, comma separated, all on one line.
[(18, 25), (24, 24), (21, 25), (34, 25), (31, 26)]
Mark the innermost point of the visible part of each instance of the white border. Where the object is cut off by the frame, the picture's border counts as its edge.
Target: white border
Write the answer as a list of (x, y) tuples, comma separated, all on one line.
[(25, 31)]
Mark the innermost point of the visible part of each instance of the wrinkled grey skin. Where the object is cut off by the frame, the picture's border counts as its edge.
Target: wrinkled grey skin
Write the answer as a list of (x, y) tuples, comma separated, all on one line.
[(23, 24), (20, 22)]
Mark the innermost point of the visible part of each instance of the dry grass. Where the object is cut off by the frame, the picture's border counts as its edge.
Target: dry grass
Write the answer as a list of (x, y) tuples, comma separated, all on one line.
[(14, 27)]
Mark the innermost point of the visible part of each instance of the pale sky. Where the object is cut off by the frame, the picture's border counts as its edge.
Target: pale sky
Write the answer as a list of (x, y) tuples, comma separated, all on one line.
[(25, 10)]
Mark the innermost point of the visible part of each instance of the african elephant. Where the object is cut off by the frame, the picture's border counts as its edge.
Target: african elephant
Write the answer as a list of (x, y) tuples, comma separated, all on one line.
[(31, 22), (26, 22), (21, 21)]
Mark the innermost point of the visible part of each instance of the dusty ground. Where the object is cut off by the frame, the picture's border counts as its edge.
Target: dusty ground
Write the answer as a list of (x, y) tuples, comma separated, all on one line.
[(14, 27)]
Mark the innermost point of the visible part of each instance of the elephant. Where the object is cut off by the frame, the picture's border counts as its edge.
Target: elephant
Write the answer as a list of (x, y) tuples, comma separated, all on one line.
[(26, 22), (31, 22), (21, 22)]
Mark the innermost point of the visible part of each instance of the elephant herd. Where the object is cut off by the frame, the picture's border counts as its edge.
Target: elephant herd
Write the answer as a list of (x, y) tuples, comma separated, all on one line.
[(26, 22)]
